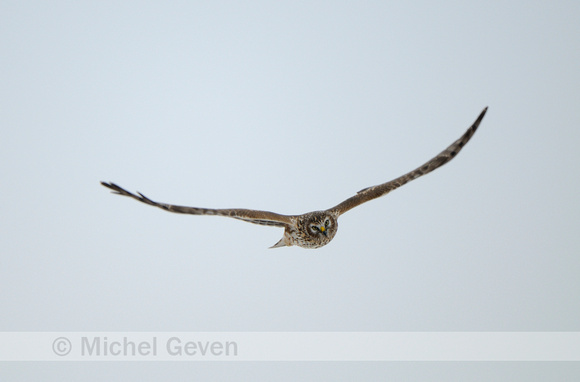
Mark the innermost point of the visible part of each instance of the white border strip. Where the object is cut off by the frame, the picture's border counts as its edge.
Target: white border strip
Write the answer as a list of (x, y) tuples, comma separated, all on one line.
[(289, 346)]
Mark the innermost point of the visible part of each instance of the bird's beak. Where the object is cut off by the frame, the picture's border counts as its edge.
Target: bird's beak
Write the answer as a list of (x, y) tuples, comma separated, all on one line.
[(323, 230)]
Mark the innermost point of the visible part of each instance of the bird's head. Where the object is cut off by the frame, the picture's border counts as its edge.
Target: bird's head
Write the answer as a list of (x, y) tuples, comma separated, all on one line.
[(320, 226)]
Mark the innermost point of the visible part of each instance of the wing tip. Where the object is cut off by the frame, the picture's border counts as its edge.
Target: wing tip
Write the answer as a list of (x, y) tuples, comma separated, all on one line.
[(482, 114), (110, 185)]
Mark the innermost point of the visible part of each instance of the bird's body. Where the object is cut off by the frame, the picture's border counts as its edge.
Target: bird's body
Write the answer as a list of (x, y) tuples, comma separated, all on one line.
[(310, 230), (314, 229)]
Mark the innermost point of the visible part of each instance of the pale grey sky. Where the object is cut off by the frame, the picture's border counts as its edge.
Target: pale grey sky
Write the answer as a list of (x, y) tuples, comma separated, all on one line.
[(289, 107)]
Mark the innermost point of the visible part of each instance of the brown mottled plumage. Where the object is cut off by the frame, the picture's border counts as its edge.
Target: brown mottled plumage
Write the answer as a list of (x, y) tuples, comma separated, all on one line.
[(318, 228)]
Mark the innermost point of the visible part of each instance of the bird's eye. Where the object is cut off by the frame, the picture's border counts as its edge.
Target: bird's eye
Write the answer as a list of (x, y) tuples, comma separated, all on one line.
[(314, 228), (326, 223)]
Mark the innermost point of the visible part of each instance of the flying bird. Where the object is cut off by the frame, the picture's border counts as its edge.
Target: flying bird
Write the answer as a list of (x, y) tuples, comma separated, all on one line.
[(313, 229)]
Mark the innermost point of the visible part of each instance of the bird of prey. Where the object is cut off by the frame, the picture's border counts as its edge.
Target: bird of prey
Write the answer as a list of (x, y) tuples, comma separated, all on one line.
[(313, 229)]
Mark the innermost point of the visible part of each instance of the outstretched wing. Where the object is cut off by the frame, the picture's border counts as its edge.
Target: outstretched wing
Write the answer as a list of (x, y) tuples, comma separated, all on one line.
[(374, 192), (252, 216)]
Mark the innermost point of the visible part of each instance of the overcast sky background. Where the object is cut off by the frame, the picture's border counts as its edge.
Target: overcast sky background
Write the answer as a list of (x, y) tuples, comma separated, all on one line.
[(289, 107)]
